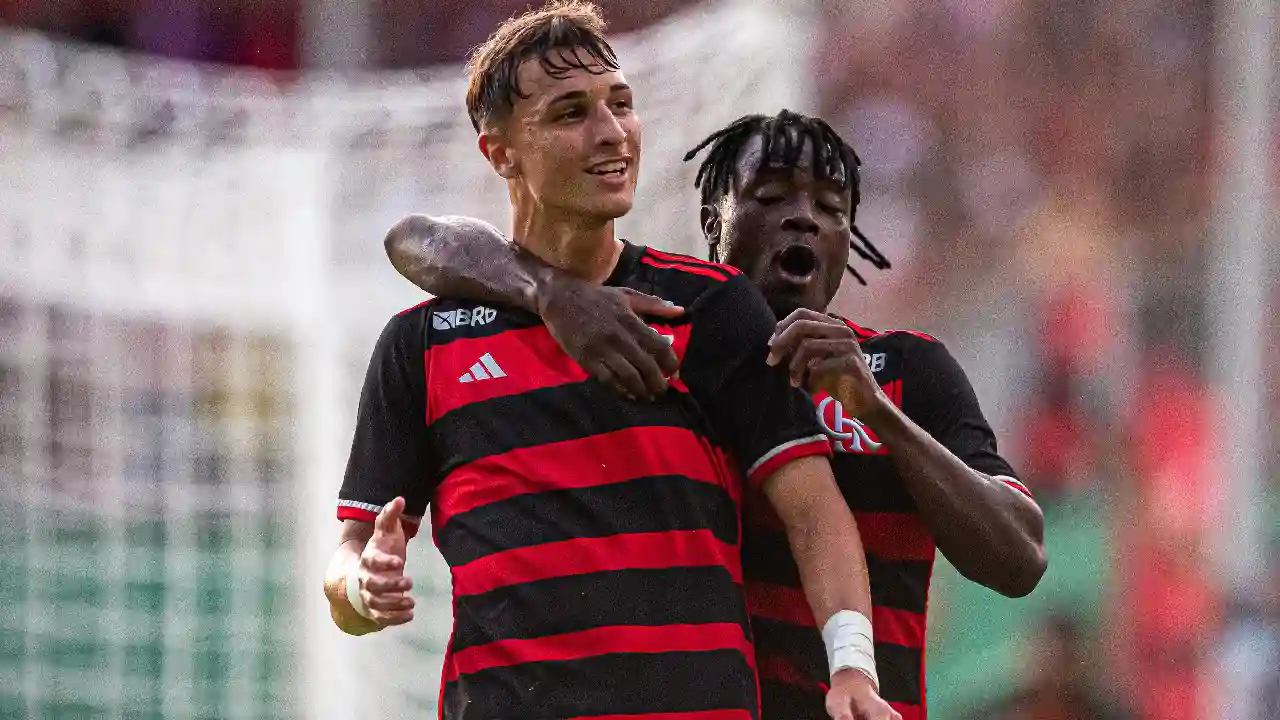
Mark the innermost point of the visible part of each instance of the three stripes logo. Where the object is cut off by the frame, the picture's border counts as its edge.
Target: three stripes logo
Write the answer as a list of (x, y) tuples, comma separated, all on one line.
[(485, 369)]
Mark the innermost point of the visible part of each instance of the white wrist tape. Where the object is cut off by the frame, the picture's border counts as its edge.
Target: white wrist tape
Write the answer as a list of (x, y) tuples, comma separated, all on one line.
[(850, 645), (355, 598)]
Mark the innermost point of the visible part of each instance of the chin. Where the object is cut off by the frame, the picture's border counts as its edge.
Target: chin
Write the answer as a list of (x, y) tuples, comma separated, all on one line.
[(783, 305), (610, 208)]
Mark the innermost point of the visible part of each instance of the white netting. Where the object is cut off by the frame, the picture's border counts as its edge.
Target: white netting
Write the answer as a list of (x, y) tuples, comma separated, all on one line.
[(191, 280)]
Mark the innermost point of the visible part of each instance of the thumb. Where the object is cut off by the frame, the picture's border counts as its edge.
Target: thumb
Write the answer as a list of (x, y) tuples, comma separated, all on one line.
[(642, 304), (388, 520)]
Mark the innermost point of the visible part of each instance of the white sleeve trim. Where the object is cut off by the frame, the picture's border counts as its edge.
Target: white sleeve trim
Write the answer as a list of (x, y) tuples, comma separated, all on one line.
[(375, 509), (783, 448)]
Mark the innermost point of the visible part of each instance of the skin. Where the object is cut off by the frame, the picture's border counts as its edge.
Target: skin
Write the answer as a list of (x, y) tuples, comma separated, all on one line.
[(562, 212), (563, 216), (993, 534)]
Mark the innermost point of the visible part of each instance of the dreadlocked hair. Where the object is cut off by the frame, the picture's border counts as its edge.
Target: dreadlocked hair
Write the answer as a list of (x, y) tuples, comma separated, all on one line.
[(784, 136)]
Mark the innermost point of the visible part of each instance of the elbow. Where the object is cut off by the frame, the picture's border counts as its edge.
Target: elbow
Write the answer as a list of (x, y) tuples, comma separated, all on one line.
[(1028, 560), (1028, 571), (410, 230)]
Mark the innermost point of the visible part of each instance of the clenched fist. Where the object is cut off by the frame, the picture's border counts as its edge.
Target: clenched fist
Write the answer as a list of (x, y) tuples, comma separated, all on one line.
[(823, 354)]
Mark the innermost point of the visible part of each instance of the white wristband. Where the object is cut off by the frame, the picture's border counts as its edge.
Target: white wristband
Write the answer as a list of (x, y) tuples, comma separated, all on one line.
[(354, 597), (850, 646)]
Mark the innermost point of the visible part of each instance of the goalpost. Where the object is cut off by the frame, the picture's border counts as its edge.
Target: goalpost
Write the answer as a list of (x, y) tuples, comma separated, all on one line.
[(191, 284)]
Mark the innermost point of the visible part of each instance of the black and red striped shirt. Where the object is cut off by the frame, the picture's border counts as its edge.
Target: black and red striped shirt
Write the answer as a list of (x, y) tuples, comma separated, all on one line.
[(928, 385), (594, 542)]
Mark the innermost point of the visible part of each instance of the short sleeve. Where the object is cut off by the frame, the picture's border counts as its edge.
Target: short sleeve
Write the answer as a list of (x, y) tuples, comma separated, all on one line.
[(942, 402), (389, 451), (752, 407)]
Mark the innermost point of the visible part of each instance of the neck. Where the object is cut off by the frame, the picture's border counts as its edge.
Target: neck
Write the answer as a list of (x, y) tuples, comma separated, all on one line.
[(583, 247)]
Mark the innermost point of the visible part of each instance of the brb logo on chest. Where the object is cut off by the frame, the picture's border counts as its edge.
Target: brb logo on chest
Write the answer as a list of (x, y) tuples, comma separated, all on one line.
[(455, 319), (847, 433)]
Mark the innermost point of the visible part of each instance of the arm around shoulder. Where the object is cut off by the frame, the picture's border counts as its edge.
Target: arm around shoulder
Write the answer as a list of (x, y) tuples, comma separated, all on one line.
[(463, 257)]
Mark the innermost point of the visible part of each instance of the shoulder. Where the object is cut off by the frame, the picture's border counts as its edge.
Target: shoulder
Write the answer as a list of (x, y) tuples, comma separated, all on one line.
[(416, 312), (443, 320), (906, 339), (920, 352), (683, 279)]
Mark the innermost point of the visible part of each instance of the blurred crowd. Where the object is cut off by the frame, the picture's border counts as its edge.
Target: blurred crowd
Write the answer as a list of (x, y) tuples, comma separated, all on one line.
[(259, 33), (267, 33), (1040, 172), (1048, 165)]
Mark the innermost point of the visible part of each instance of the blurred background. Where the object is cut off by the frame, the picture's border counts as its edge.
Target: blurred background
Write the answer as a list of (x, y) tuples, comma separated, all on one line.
[(1079, 196)]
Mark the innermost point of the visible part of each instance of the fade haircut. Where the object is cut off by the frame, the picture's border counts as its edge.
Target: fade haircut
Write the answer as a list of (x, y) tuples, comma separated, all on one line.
[(784, 136), (564, 35)]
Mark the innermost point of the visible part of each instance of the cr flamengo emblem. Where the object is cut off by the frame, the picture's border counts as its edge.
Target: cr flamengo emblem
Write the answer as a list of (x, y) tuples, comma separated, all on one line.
[(848, 432)]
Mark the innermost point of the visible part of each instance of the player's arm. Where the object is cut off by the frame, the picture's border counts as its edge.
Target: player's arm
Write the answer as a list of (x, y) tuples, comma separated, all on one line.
[(981, 516), (385, 489), (365, 582), (773, 432), (598, 326)]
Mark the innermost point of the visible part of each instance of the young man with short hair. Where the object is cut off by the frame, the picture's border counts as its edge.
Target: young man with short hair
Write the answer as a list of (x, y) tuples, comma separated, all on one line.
[(914, 457), (593, 540)]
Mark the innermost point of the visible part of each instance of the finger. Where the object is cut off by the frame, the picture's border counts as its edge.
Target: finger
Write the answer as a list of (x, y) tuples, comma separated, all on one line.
[(809, 352), (392, 618), (651, 375), (656, 361), (781, 346), (393, 602), (662, 351), (602, 373), (642, 304), (801, 314), (388, 520), (377, 561), (628, 378), (840, 712), (822, 370), (388, 583)]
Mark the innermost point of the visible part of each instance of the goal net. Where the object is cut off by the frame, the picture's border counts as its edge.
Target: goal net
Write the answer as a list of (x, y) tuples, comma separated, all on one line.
[(191, 281)]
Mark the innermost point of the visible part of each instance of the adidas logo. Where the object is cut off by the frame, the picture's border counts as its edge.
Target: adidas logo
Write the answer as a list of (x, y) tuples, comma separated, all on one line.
[(486, 369)]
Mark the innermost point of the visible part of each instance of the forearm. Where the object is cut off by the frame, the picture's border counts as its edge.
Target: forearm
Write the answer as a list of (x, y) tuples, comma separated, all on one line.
[(464, 258), (345, 561), (833, 566), (824, 539), (992, 533)]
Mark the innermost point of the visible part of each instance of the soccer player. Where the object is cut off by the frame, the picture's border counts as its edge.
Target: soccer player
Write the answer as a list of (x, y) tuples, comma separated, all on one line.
[(914, 457), (593, 540)]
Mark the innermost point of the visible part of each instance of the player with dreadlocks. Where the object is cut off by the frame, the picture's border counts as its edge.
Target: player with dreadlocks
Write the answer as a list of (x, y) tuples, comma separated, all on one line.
[(783, 138), (913, 455)]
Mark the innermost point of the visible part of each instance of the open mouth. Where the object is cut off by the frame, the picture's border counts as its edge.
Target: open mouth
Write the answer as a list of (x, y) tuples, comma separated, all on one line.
[(610, 168), (797, 261)]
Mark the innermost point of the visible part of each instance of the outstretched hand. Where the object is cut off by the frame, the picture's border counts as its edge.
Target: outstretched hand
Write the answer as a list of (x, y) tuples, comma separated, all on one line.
[(600, 328)]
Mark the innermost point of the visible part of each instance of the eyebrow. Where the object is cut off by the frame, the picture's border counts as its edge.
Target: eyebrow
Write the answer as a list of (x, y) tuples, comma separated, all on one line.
[(582, 94), (764, 174)]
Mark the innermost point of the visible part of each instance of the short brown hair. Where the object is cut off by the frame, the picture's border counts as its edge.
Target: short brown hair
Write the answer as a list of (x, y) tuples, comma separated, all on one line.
[(574, 28)]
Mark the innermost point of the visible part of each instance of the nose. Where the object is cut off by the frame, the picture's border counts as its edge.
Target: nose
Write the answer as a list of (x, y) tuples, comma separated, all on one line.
[(607, 128), (800, 219)]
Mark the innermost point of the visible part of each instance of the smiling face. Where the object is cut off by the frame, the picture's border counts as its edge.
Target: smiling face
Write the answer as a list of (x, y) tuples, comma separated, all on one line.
[(572, 143), (785, 229)]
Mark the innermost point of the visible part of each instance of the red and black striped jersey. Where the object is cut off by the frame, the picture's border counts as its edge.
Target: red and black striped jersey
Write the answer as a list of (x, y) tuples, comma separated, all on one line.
[(594, 542), (928, 385)]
